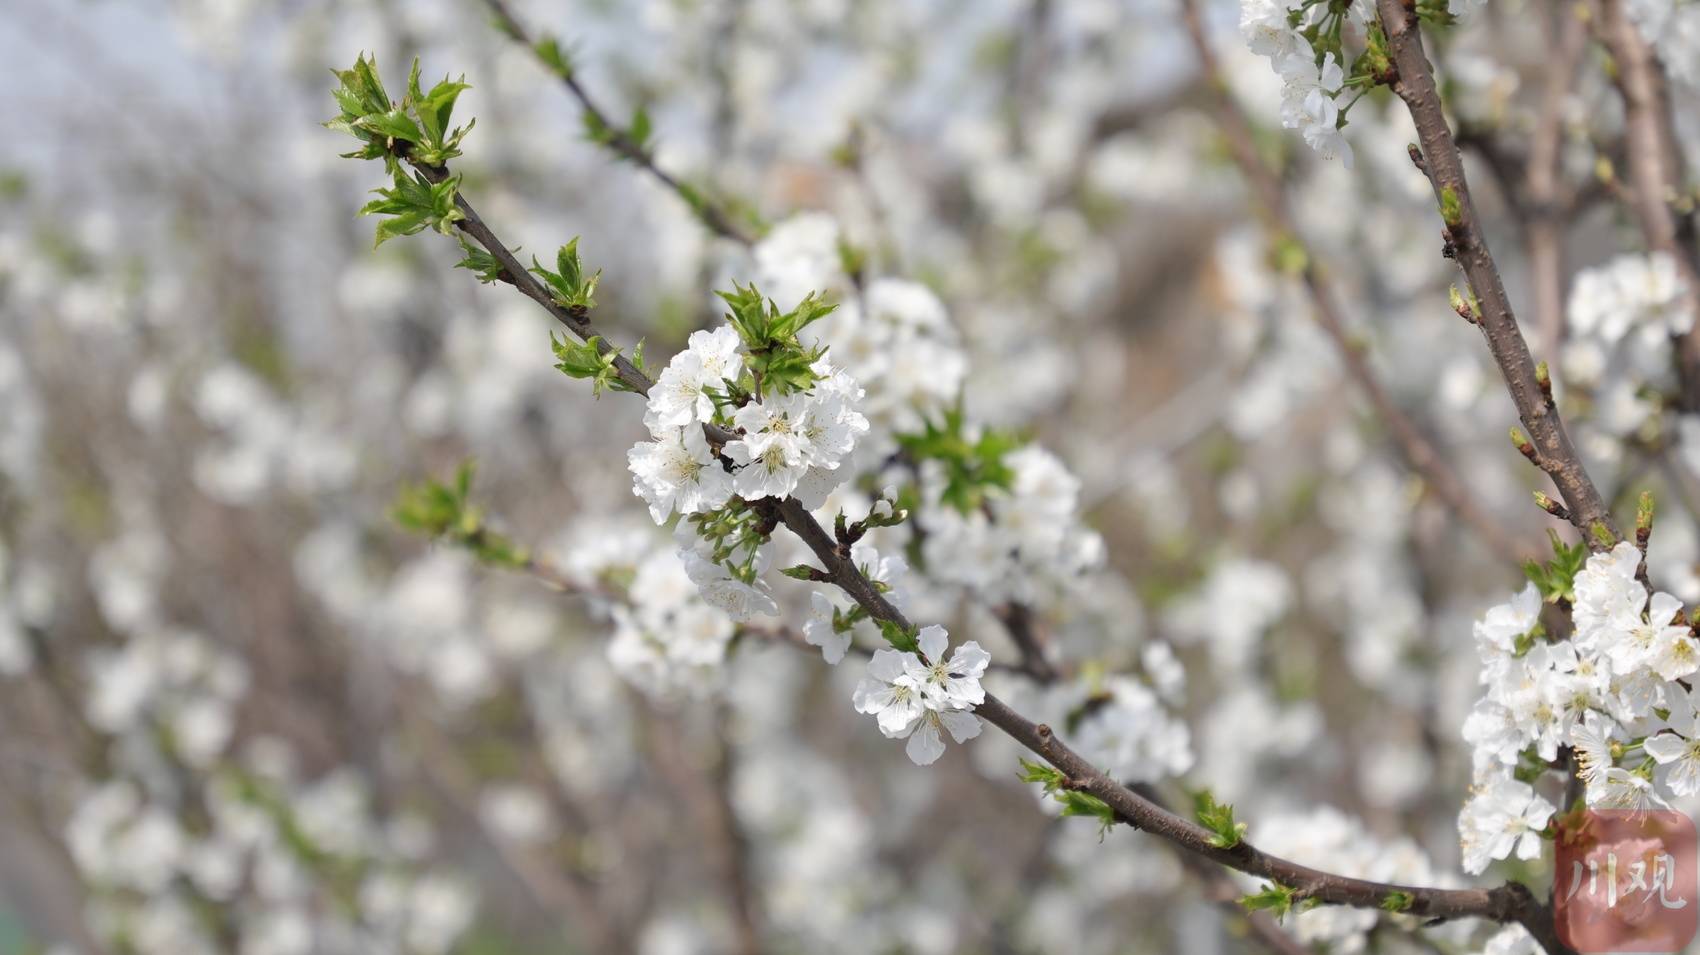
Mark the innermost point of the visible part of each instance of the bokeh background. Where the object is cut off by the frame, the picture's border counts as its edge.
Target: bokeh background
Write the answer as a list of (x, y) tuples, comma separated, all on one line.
[(212, 388)]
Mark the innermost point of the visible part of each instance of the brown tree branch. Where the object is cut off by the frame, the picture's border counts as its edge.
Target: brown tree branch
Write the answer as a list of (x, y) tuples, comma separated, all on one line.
[(1467, 243), (1546, 201), (1511, 902), (548, 890), (616, 137), (1418, 451)]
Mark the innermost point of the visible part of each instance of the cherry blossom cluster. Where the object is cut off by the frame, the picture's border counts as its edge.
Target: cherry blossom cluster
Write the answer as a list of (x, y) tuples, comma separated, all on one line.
[(244, 860), (1025, 541), (669, 639), (919, 695), (1306, 41), (891, 334), (1610, 689), (1622, 316), (1673, 28), (1314, 95), (1336, 842)]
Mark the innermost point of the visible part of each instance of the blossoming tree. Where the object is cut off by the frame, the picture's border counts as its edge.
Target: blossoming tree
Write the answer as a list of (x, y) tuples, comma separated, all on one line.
[(926, 462)]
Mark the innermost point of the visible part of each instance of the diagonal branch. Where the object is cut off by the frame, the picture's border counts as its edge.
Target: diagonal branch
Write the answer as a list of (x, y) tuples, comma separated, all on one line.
[(1467, 243), (617, 138), (1418, 451), (1511, 902)]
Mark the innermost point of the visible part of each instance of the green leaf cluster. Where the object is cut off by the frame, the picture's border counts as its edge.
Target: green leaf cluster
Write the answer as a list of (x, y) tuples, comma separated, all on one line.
[(1225, 833), (418, 128), (972, 464), (631, 143), (554, 56), (1556, 579), (594, 359), (905, 639), (1074, 802), (413, 204), (1277, 899), (480, 263), (735, 534), (443, 512), (568, 285), (776, 358)]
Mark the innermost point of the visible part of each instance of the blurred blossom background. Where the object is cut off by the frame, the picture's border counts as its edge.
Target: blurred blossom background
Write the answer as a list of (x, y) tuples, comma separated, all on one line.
[(242, 710)]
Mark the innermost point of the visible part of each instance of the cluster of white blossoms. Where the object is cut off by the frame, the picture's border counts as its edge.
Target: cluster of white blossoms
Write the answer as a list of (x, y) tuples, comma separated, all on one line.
[(668, 638), (893, 335), (1128, 733), (1330, 840), (1305, 43), (1621, 318), (833, 623), (255, 846), (920, 696), (671, 639), (1025, 543), (1673, 28), (788, 443), (1313, 86), (173, 679), (266, 441), (1609, 690)]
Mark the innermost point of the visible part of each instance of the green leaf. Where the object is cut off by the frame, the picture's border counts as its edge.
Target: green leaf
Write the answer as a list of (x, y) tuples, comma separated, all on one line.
[(1274, 898), (775, 356), (1397, 901), (804, 572), (1225, 833), (360, 96), (441, 511), (900, 637), (554, 57), (595, 129), (973, 464), (414, 204), (1451, 209), (395, 124), (417, 128), (1077, 803), (480, 263), (593, 359), (1556, 579), (568, 285), (638, 133), (1051, 778)]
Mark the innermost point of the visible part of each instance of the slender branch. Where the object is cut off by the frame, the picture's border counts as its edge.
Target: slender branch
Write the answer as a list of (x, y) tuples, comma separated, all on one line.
[(1415, 447), (1467, 243), (743, 899), (1017, 619), (1545, 193), (1511, 902), (548, 890), (616, 137)]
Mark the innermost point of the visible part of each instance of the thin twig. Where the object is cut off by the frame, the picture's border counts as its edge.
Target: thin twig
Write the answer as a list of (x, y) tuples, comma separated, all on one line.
[(712, 215), (1414, 446), (1554, 453), (1511, 902)]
